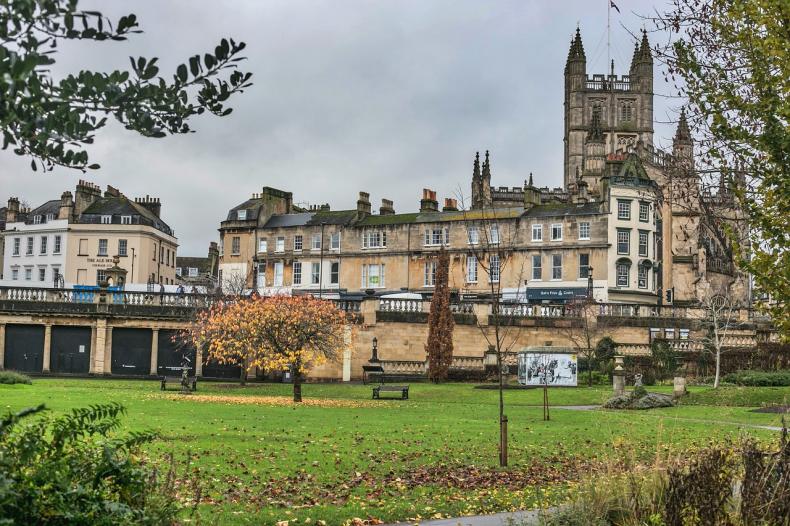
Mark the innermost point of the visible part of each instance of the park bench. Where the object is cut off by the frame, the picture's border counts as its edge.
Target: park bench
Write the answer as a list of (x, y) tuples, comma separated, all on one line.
[(191, 380), (402, 389)]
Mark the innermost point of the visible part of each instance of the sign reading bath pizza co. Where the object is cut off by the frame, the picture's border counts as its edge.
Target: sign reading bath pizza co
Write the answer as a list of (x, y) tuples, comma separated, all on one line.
[(100, 262), (555, 293)]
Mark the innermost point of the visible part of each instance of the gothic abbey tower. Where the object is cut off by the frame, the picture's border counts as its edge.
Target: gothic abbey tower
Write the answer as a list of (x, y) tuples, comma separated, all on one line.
[(605, 113)]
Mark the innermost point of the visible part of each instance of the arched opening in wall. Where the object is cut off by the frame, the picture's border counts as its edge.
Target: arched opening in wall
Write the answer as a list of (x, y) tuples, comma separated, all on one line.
[(24, 348), (70, 350)]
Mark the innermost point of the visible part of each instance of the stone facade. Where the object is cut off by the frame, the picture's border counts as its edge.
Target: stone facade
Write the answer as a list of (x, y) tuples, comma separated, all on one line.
[(72, 240)]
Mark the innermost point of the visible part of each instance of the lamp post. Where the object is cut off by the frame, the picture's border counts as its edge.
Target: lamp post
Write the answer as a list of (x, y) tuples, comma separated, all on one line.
[(374, 357), (589, 283)]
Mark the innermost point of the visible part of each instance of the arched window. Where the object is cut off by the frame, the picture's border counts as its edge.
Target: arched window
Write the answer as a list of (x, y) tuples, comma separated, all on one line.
[(622, 272), (626, 111)]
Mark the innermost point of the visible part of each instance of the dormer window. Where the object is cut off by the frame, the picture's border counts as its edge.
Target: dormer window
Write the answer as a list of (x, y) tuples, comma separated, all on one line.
[(37, 220), (193, 272), (126, 220), (50, 217), (241, 215), (106, 220)]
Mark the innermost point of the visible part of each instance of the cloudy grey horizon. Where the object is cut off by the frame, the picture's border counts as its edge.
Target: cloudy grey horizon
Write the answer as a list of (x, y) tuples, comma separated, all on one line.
[(348, 96)]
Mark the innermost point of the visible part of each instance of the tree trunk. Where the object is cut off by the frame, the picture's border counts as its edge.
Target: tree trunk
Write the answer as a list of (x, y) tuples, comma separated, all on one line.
[(589, 373), (243, 375), (297, 388), (296, 374), (718, 369)]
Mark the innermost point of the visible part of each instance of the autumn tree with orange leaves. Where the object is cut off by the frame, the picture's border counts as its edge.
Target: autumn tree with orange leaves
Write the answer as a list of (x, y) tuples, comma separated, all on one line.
[(279, 333)]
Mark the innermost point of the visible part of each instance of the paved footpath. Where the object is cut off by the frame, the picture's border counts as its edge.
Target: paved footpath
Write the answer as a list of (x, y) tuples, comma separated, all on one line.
[(516, 518)]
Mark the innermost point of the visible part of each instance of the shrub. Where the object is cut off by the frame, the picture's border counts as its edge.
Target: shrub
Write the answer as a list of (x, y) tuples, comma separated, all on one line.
[(13, 377), (759, 378), (73, 469)]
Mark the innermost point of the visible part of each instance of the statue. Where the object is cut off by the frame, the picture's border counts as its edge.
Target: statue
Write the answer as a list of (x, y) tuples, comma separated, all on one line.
[(637, 380)]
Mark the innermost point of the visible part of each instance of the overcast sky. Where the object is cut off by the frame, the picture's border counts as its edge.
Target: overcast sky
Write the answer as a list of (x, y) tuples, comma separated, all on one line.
[(383, 96)]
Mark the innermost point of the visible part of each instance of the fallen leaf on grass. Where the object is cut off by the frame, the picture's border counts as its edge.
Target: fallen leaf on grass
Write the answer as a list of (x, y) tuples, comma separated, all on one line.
[(273, 400)]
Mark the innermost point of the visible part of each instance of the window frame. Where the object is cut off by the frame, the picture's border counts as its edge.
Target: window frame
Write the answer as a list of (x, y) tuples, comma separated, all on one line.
[(555, 275), (315, 242), (106, 219), (43, 245), (279, 244), (644, 206), (494, 270), (334, 273), (642, 276), (235, 246), (241, 215), (17, 247), (473, 236), (538, 267), (57, 244), (277, 278), (315, 273), (99, 247), (627, 267), (584, 225), (298, 240), (296, 276), (334, 241), (126, 220), (429, 271), (30, 246), (125, 244), (471, 268), (646, 235), (627, 232), (586, 273), (559, 227), (537, 229), (624, 209)]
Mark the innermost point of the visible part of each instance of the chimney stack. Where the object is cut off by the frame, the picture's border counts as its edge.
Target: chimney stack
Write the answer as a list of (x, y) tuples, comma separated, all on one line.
[(151, 203), (428, 203), (12, 212), (363, 205), (387, 208), (85, 195), (450, 205), (66, 206)]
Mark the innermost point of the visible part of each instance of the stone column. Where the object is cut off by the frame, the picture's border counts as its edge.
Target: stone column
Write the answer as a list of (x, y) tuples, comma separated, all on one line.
[(618, 376), (100, 354), (368, 310), (108, 352), (47, 347), (2, 346), (92, 358), (154, 351), (198, 361), (481, 311)]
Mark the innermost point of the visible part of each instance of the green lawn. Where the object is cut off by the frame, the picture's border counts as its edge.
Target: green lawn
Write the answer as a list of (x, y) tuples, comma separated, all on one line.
[(263, 461)]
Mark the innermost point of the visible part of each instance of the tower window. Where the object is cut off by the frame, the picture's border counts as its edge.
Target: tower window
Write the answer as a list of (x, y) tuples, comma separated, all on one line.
[(626, 111)]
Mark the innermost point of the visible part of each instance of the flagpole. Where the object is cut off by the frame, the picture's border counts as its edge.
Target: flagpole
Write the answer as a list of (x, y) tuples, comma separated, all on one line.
[(608, 32)]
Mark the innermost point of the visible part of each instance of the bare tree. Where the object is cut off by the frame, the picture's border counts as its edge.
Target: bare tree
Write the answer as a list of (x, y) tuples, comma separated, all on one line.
[(492, 233), (720, 317), (236, 284)]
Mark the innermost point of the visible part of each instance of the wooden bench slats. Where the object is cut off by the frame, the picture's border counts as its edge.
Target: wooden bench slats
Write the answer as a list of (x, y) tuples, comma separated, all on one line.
[(402, 389)]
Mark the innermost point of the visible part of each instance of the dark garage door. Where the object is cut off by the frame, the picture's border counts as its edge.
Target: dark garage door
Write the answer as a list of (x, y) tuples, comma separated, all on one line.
[(24, 348), (71, 350), (131, 351), (213, 369), (171, 353)]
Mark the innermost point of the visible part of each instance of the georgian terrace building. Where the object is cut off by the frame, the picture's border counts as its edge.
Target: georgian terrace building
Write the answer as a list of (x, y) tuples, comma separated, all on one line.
[(72, 240), (550, 243)]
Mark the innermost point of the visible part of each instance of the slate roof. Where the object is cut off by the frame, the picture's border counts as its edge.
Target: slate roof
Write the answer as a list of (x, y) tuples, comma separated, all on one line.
[(50, 207), (120, 206), (327, 217), (564, 209), (252, 206)]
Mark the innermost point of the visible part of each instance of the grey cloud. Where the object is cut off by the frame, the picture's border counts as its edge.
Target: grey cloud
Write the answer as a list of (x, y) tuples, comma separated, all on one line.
[(349, 95)]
